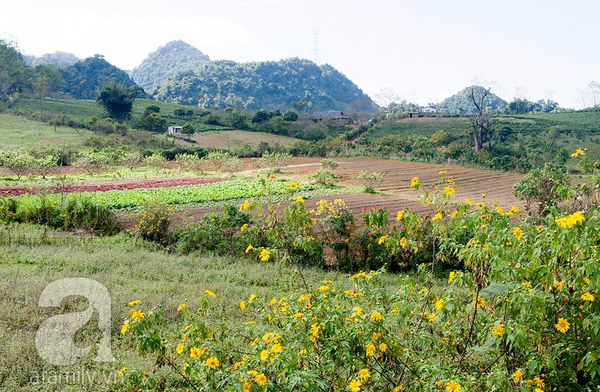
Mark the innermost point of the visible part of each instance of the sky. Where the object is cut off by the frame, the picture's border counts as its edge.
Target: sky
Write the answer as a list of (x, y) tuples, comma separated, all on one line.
[(419, 51)]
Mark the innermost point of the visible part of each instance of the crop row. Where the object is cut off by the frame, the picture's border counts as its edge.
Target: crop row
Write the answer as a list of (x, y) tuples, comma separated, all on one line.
[(214, 191), (17, 191)]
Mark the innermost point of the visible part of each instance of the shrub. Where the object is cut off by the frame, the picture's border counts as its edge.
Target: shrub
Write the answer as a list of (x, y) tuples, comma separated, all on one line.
[(153, 221)]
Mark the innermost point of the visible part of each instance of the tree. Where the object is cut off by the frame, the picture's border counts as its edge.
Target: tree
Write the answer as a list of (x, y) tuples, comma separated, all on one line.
[(479, 122), (188, 129), (117, 100), (12, 68), (290, 116), (594, 95), (299, 105)]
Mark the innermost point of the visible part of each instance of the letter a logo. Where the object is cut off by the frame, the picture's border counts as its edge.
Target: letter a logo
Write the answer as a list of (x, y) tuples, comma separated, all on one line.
[(54, 338)]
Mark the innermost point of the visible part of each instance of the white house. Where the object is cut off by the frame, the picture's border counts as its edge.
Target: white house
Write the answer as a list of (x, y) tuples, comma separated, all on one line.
[(174, 130), (428, 109)]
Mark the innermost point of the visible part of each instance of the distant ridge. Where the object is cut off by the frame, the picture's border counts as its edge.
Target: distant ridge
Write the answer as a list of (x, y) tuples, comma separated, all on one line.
[(62, 59), (266, 85), (166, 61)]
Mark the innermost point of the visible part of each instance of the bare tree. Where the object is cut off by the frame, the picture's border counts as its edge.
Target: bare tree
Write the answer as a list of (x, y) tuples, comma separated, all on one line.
[(480, 122), (583, 101)]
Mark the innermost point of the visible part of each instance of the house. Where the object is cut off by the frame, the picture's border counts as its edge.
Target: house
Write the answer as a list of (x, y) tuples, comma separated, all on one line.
[(413, 115), (331, 116), (174, 130), (429, 109)]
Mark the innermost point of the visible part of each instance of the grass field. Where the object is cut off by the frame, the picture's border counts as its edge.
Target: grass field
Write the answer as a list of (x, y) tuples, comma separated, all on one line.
[(20, 133), (129, 272)]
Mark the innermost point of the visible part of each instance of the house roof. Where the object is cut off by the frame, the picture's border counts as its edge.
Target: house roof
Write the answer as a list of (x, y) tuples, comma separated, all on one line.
[(331, 114)]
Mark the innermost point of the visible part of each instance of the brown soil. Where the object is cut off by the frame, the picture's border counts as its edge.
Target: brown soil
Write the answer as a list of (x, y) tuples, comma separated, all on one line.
[(395, 192)]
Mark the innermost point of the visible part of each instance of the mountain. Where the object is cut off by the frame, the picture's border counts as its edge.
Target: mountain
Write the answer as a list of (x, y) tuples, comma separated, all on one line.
[(86, 78), (264, 85), (62, 59), (166, 61), (460, 103)]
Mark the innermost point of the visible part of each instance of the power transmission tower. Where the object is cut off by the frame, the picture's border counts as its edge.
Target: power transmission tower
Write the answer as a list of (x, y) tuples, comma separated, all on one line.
[(315, 45)]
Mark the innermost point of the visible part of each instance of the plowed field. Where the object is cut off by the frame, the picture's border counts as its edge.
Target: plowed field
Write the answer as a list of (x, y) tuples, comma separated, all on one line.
[(395, 191)]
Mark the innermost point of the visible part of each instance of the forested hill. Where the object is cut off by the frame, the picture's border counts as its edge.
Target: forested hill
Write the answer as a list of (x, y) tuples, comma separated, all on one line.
[(61, 59), (264, 85), (166, 61), (460, 103)]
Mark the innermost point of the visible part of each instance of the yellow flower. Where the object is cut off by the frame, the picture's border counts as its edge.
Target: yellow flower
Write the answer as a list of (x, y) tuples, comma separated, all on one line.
[(559, 284), (138, 315), (454, 214), (293, 185), (133, 303), (249, 248), (244, 206), (539, 382), (179, 348), (451, 277), (526, 284), (443, 172), (451, 180), (403, 242), (122, 372), (376, 316), (244, 227), (399, 388), (578, 153), (243, 305), (468, 201), (196, 352), (124, 327), (383, 347), (355, 385), (261, 380), (569, 221), (588, 297), (264, 255), (370, 350), (364, 374), (299, 199), (518, 233), (414, 182), (381, 239), (252, 298), (453, 386), (437, 216), (449, 191), (181, 307), (498, 330), (211, 293), (212, 362), (439, 304), (431, 318), (516, 376), (277, 348), (264, 355), (562, 325), (479, 302), (400, 215)]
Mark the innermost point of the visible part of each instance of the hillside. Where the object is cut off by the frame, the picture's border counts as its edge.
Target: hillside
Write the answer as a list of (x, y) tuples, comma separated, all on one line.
[(62, 59), (166, 61), (460, 103), (264, 85), (85, 79)]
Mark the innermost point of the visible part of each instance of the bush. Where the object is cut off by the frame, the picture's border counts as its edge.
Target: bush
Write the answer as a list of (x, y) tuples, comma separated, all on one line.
[(153, 221)]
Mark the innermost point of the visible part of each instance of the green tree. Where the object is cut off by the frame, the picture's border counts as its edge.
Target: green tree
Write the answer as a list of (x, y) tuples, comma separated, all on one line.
[(117, 100), (290, 116), (299, 105), (188, 129), (12, 68)]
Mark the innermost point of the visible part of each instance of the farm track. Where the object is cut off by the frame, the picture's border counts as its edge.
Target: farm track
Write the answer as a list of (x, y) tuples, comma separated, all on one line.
[(394, 193)]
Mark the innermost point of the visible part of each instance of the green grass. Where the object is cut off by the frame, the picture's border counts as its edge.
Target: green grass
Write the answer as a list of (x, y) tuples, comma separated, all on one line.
[(20, 133), (129, 272)]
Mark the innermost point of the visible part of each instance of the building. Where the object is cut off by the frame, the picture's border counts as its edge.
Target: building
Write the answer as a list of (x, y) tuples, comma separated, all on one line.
[(174, 130), (331, 116), (413, 115), (429, 109)]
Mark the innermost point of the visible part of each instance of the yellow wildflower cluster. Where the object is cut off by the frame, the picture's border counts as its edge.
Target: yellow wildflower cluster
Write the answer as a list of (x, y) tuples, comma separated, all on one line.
[(578, 153), (569, 221)]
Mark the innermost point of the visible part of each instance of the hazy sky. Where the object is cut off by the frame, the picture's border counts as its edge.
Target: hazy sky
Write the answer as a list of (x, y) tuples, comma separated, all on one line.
[(423, 50)]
